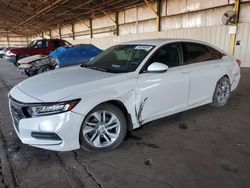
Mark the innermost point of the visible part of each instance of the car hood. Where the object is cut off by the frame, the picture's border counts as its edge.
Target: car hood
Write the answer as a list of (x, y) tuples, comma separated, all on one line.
[(56, 85), (20, 50), (30, 59)]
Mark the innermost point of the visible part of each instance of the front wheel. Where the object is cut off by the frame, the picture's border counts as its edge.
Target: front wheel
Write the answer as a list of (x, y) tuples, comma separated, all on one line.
[(222, 92), (104, 128)]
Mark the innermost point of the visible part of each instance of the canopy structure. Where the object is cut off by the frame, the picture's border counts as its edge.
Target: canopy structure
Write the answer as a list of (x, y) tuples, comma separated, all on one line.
[(32, 16)]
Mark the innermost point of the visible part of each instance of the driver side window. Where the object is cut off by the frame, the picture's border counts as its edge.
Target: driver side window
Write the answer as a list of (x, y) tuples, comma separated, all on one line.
[(41, 44), (169, 55)]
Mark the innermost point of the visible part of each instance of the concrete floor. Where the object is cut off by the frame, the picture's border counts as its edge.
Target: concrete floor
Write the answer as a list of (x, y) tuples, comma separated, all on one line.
[(203, 147)]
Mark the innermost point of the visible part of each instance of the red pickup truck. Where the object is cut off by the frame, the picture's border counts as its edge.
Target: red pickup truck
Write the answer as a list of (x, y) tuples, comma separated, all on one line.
[(41, 46)]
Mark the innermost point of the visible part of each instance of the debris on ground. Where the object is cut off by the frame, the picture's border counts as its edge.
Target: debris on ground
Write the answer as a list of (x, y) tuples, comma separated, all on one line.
[(183, 126), (148, 162), (229, 167)]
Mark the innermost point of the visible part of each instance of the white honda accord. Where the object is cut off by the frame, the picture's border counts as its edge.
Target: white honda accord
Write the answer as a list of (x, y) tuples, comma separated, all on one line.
[(127, 85)]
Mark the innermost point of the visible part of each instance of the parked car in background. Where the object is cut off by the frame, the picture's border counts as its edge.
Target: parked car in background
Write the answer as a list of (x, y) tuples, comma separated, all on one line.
[(122, 88), (3, 51), (42, 46), (61, 57), (36, 64), (73, 55)]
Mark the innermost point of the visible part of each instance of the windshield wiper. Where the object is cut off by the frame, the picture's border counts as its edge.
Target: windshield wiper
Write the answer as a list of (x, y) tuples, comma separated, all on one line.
[(84, 65), (98, 68)]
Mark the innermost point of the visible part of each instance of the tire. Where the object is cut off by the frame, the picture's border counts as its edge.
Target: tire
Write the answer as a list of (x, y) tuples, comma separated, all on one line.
[(222, 92), (44, 68), (95, 135)]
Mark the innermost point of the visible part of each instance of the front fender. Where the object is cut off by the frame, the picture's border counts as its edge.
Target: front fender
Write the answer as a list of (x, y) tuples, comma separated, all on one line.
[(125, 95)]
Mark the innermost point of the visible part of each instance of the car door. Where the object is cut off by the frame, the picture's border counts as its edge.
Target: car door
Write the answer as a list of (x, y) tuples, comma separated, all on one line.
[(56, 44), (160, 94), (204, 65), (41, 47)]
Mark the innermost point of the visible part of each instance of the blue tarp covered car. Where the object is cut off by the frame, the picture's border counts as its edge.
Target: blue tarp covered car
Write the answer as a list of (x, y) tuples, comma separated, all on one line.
[(72, 55)]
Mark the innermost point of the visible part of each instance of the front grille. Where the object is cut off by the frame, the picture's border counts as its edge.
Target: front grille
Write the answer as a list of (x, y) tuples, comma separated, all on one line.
[(16, 113)]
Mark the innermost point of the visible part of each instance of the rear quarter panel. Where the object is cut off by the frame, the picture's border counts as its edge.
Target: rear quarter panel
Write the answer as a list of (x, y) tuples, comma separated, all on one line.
[(232, 70)]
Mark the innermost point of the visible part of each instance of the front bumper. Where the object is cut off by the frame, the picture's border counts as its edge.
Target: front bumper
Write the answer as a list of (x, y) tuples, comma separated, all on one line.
[(62, 130), (26, 71), (9, 59)]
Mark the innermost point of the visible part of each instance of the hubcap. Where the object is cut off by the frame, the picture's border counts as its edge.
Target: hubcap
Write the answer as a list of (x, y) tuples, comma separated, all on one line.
[(223, 92), (101, 128)]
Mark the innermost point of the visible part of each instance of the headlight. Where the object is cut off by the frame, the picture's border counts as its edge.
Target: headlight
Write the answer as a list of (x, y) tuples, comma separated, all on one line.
[(9, 53), (54, 61), (50, 108)]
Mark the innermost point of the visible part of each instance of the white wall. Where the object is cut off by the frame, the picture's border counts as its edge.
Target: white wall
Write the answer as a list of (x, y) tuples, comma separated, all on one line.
[(12, 40), (216, 35), (197, 19)]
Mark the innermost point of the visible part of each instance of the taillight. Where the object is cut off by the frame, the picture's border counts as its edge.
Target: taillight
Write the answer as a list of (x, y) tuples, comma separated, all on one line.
[(238, 62)]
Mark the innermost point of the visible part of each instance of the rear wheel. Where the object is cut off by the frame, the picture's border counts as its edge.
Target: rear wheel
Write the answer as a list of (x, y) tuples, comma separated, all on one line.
[(222, 92), (104, 128)]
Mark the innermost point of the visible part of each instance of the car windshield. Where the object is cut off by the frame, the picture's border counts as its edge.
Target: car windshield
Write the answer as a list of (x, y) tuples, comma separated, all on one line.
[(31, 44), (120, 58)]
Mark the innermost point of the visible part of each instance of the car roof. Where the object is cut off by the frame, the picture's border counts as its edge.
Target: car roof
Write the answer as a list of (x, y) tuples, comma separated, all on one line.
[(162, 41), (159, 42)]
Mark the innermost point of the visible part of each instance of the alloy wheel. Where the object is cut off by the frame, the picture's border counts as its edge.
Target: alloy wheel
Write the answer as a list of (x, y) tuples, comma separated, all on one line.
[(101, 128), (223, 92)]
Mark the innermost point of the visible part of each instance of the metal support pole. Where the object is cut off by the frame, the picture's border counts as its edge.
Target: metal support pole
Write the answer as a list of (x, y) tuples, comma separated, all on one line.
[(84, 23), (8, 40), (73, 32), (109, 17), (233, 36), (114, 21), (158, 17), (157, 13), (60, 33), (50, 35), (90, 29), (117, 23)]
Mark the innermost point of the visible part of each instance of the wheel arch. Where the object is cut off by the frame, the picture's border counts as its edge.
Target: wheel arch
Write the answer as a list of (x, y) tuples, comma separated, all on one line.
[(122, 107), (225, 76)]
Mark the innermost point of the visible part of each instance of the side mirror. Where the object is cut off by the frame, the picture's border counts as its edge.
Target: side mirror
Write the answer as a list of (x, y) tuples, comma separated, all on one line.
[(157, 67)]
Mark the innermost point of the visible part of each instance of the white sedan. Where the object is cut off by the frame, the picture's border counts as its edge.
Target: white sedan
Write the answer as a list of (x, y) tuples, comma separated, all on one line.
[(127, 85)]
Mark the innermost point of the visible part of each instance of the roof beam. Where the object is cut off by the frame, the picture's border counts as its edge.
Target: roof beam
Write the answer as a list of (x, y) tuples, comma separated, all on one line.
[(14, 6), (46, 9)]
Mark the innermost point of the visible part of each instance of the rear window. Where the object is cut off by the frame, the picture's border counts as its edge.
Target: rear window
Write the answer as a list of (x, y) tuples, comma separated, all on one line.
[(215, 53), (66, 43), (195, 53), (56, 43)]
